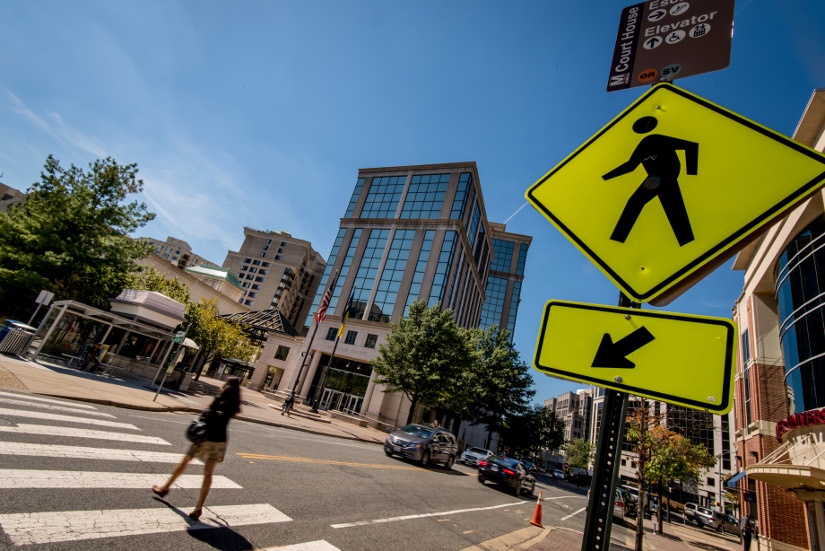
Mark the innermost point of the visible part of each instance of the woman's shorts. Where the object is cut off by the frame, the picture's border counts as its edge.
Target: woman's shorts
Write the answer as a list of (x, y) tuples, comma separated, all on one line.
[(208, 451)]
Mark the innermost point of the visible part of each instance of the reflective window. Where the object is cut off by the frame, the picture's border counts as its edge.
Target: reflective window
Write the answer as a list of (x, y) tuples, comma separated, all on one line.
[(322, 286), (425, 197), (282, 353), (368, 270), (800, 291), (420, 268), (515, 300), (354, 199), (332, 333), (350, 338), (471, 231), (393, 273), (464, 182), (494, 304), (371, 340), (502, 255), (382, 199), (522, 258), (445, 258)]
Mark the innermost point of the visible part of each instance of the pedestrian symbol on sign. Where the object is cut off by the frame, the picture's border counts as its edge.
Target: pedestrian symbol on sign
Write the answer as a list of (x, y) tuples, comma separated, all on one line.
[(657, 154)]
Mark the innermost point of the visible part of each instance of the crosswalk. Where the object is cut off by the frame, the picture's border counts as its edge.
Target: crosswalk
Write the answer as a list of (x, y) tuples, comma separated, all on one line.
[(35, 417)]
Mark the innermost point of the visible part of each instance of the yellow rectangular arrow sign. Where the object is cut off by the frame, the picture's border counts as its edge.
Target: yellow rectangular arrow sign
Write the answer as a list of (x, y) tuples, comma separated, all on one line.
[(676, 358)]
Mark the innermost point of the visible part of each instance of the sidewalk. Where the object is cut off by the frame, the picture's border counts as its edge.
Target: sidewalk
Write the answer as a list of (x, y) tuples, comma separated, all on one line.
[(52, 380)]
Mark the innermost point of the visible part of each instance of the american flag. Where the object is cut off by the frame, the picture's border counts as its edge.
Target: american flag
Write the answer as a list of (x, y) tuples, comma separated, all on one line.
[(321, 313)]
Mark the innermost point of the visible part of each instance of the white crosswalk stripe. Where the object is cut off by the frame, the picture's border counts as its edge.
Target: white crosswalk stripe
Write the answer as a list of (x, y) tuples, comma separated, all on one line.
[(26, 478), (82, 433), (48, 527), (77, 452), (53, 527), (33, 398), (67, 408), (65, 418)]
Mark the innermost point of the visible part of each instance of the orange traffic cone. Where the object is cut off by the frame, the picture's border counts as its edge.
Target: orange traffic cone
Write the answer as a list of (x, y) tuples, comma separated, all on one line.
[(537, 513)]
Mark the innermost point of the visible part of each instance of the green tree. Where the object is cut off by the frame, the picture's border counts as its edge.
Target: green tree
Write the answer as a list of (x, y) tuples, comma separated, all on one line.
[(216, 336), (532, 432), (422, 357), (70, 236), (499, 382), (579, 453)]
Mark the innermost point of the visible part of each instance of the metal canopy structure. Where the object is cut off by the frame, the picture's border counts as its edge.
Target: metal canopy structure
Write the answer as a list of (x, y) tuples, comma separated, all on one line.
[(258, 325)]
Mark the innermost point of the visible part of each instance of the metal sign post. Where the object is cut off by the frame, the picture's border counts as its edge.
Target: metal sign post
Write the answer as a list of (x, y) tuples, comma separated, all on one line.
[(599, 521)]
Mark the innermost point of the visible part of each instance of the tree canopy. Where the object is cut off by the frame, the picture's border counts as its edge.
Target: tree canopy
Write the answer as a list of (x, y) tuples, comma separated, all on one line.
[(579, 453), (529, 433), (70, 236), (422, 357)]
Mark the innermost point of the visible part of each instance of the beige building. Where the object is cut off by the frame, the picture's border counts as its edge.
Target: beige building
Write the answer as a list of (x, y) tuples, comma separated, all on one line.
[(277, 270), (780, 374), (10, 196), (176, 251)]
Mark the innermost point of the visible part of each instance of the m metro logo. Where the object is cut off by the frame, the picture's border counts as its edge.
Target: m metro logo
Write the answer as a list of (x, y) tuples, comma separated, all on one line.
[(671, 185), (676, 358)]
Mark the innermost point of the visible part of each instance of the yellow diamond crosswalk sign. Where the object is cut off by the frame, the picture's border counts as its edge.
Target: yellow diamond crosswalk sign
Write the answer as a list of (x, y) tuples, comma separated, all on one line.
[(676, 358), (672, 184)]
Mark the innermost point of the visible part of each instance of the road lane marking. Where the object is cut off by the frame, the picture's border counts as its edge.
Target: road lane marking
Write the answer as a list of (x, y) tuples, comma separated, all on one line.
[(82, 433), (320, 545), (29, 478), (55, 408), (65, 418), (325, 461), (55, 451), (571, 515), (35, 398), (424, 515), (53, 527)]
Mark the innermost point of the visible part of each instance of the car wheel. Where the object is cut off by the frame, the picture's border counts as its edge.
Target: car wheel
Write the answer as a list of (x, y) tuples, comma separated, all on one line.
[(480, 479), (425, 459), (388, 452), (721, 529), (450, 462), (533, 489), (517, 488)]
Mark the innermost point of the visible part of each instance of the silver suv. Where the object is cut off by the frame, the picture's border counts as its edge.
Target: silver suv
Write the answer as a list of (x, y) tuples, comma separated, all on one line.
[(708, 518), (423, 443)]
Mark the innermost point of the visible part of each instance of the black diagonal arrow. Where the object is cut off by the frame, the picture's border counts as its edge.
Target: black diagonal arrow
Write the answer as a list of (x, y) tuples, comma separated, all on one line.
[(613, 354)]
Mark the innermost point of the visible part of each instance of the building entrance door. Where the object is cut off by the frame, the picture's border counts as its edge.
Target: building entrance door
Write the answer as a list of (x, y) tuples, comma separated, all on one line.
[(339, 401)]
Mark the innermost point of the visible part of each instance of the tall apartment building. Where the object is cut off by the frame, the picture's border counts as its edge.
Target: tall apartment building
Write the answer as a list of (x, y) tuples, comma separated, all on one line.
[(10, 196), (408, 233), (575, 410), (780, 376), (276, 270), (176, 251), (503, 292)]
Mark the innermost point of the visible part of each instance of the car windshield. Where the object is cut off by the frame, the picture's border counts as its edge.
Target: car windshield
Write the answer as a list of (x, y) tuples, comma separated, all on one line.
[(506, 462), (477, 450), (418, 430)]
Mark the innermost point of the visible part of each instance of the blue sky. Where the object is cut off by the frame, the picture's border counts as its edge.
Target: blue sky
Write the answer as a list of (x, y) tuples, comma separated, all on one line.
[(260, 113)]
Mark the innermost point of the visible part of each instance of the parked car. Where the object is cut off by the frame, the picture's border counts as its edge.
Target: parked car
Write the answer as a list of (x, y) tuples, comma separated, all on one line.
[(423, 443), (506, 472), (471, 455), (690, 510), (531, 468), (731, 526), (708, 518), (624, 504), (558, 473)]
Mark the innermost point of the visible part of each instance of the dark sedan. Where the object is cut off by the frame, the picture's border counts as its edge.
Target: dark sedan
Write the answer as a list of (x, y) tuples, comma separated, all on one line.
[(506, 472)]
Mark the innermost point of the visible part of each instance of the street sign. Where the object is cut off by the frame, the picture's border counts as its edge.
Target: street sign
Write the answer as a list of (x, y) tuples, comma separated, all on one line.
[(676, 358), (179, 337), (667, 39), (651, 208)]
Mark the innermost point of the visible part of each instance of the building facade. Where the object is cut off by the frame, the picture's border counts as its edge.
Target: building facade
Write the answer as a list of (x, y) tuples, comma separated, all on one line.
[(503, 291), (176, 251), (412, 233), (276, 270), (780, 376)]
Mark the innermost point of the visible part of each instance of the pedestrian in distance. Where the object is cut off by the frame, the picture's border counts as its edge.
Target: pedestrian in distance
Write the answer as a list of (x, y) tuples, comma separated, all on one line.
[(288, 404), (211, 451), (748, 526), (92, 356)]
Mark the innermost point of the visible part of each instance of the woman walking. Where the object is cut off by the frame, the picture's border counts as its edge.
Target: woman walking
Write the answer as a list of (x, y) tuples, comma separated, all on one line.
[(211, 451)]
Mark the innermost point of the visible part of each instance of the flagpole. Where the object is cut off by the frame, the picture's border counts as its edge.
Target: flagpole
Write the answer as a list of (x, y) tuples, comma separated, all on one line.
[(319, 390), (304, 360)]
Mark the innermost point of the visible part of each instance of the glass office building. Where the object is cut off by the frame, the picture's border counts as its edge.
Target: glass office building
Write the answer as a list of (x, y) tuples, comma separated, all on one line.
[(411, 233)]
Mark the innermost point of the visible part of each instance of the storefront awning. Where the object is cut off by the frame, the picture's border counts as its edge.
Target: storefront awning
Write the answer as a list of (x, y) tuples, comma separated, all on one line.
[(734, 479), (790, 477)]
